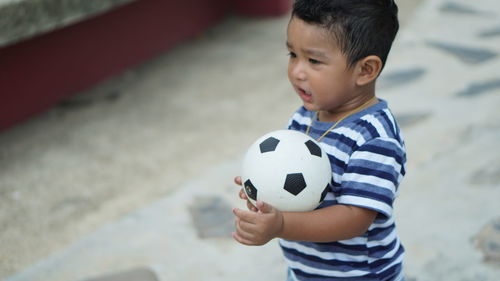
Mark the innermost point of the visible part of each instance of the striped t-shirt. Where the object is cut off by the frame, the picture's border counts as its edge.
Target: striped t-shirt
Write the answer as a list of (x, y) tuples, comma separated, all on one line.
[(367, 155)]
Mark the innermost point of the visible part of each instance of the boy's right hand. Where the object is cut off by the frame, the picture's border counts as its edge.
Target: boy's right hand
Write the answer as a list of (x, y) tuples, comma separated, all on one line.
[(243, 195)]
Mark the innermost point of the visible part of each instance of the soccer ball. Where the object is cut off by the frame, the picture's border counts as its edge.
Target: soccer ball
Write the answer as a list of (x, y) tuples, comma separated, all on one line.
[(286, 169)]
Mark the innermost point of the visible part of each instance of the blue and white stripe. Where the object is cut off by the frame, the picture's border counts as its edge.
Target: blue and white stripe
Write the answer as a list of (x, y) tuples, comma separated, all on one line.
[(368, 158)]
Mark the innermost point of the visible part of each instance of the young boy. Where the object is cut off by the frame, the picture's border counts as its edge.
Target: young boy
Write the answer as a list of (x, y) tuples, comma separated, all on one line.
[(337, 50)]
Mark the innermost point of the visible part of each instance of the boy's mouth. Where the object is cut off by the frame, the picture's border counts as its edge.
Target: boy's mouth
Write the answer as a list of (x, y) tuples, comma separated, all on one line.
[(304, 95)]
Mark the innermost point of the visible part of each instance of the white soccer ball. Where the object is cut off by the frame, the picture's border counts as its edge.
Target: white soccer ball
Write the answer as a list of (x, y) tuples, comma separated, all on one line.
[(288, 170)]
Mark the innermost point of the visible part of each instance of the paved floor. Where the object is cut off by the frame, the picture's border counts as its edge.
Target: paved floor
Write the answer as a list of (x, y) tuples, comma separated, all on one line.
[(123, 179)]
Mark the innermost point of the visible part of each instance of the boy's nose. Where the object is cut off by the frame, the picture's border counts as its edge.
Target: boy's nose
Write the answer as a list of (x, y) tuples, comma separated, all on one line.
[(297, 72)]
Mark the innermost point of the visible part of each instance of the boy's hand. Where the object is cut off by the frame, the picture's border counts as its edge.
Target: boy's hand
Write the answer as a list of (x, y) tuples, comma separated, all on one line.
[(257, 228), (243, 195)]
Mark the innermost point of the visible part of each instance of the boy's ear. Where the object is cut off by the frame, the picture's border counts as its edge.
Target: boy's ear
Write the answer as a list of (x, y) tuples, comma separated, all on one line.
[(368, 69)]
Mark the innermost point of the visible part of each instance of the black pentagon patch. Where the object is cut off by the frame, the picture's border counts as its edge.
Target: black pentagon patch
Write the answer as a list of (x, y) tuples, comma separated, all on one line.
[(269, 144), (323, 194), (294, 183), (314, 149), (250, 190)]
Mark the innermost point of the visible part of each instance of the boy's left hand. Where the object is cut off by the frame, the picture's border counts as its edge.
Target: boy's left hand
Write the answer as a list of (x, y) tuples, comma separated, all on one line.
[(257, 228)]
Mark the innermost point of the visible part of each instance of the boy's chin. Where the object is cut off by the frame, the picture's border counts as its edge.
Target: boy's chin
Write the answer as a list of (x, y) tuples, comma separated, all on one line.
[(310, 107)]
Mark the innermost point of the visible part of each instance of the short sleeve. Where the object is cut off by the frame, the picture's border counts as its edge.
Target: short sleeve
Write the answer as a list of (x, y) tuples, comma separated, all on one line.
[(372, 175)]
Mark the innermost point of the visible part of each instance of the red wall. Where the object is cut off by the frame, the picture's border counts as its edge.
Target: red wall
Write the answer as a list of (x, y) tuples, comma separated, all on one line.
[(37, 73), (262, 7)]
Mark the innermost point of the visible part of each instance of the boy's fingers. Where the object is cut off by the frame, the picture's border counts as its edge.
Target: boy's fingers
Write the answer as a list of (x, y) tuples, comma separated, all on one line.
[(241, 239), (244, 227), (247, 216), (264, 207), (237, 180), (243, 195), (243, 234), (251, 207)]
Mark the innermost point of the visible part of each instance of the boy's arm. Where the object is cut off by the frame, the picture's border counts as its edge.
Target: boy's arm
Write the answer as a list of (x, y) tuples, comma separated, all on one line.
[(338, 222), (334, 223)]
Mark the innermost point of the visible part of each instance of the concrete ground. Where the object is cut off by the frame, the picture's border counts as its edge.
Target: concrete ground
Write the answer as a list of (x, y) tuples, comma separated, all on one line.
[(134, 177)]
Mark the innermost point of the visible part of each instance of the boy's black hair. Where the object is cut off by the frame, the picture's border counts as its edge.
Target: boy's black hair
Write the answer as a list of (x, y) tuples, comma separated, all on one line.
[(361, 27)]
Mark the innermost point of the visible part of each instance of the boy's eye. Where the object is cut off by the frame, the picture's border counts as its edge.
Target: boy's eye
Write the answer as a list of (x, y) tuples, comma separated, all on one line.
[(313, 61), (292, 54)]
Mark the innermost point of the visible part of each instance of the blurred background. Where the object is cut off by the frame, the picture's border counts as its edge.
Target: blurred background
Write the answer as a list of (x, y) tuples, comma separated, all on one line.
[(124, 122)]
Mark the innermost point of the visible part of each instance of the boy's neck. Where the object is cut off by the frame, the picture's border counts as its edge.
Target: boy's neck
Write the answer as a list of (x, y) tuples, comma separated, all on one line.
[(354, 105)]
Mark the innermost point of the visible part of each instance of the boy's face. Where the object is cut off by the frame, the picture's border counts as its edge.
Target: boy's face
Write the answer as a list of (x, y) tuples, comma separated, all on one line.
[(318, 70)]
